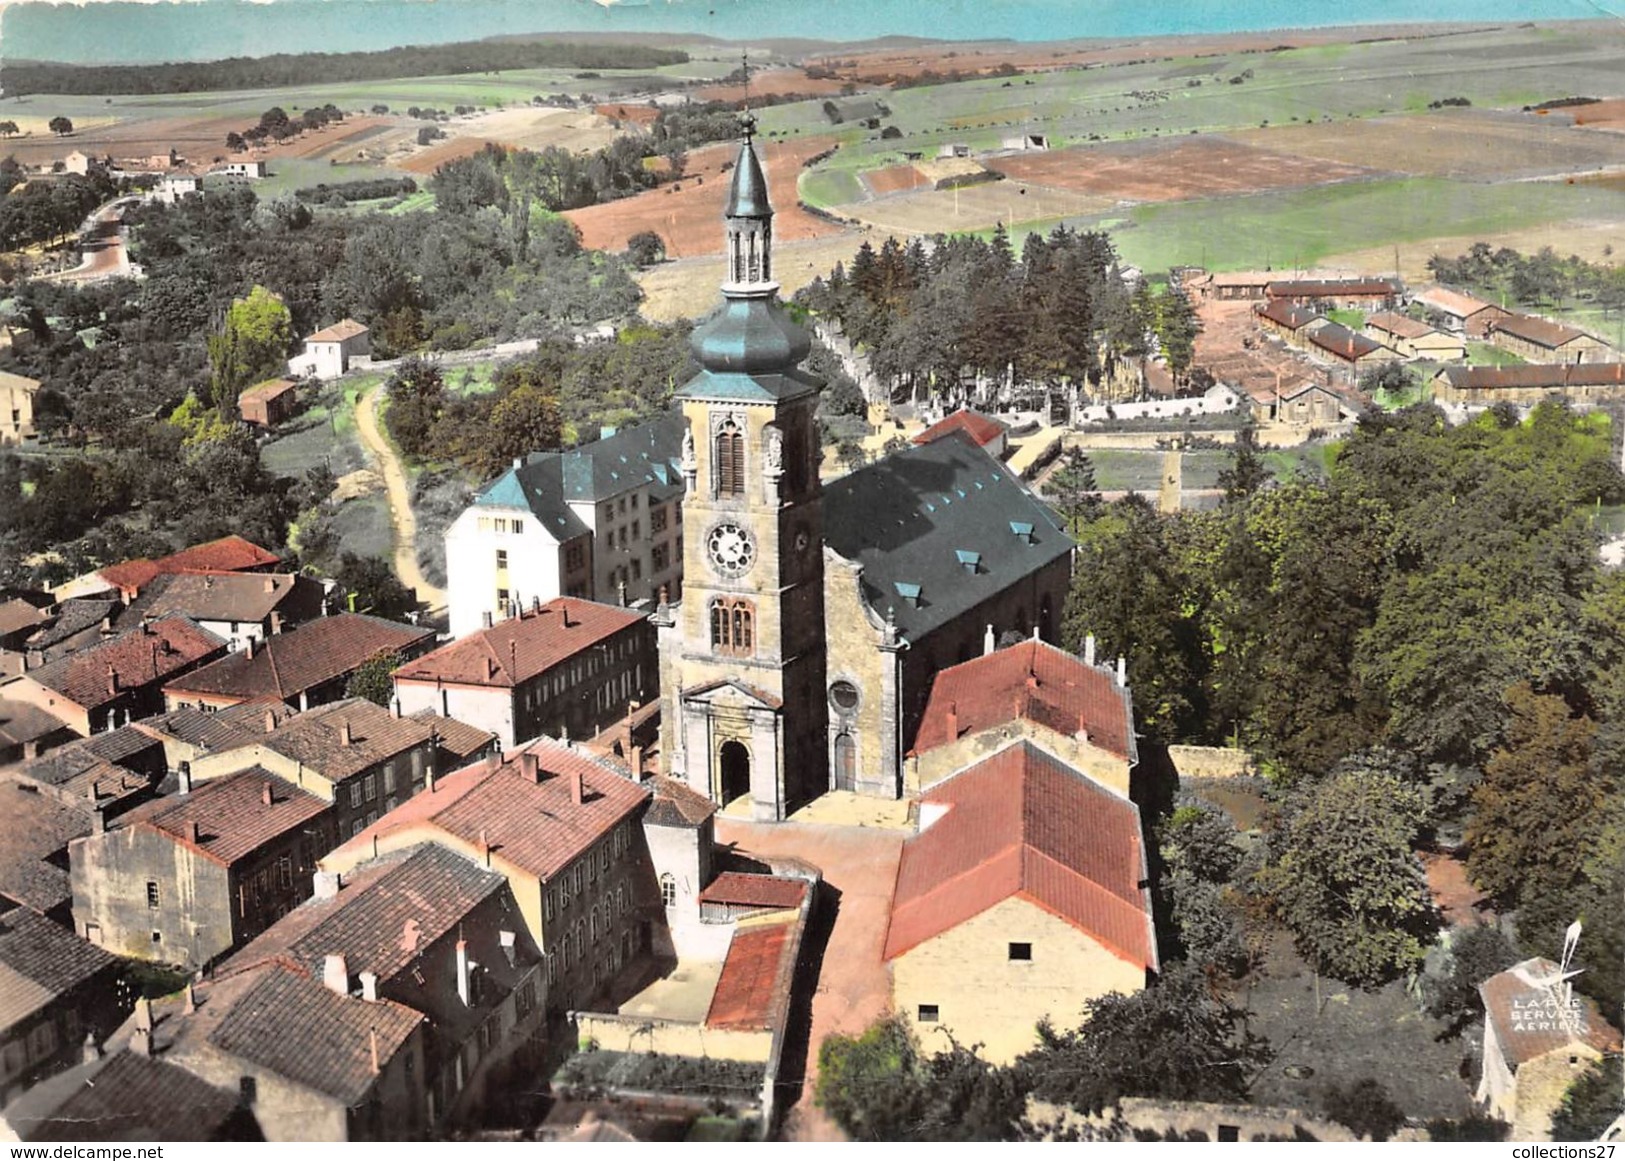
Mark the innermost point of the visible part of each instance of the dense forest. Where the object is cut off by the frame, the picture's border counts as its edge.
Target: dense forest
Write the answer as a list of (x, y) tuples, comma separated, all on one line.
[(21, 77), (935, 311), (43, 211)]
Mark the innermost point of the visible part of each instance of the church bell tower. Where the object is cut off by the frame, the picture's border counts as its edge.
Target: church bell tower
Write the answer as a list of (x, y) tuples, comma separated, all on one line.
[(742, 690)]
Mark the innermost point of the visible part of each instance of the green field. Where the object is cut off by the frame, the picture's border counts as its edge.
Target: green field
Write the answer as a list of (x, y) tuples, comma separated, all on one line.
[(1487, 355)]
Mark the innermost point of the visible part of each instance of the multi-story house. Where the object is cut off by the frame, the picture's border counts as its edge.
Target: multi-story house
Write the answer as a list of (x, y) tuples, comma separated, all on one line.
[(567, 669), (237, 606), (601, 521), (186, 878)]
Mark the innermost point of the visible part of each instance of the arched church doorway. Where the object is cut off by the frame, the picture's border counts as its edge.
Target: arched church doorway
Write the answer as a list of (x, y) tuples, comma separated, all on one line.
[(734, 761), (846, 762)]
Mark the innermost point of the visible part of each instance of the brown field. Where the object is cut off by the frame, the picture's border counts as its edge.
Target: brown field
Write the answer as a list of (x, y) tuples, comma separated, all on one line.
[(688, 214), (200, 139), (521, 128), (1602, 115), (772, 82), (688, 288), (636, 114), (894, 179), (1171, 170), (973, 207), (435, 156), (1591, 240), (1467, 144)]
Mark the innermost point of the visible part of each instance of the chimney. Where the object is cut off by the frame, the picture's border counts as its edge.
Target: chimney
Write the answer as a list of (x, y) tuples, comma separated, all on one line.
[(637, 763), (989, 642), (194, 832), (485, 847), (248, 647), (189, 1004), (98, 821), (372, 1044), (530, 766), (953, 721), (1036, 637), (564, 611), (1122, 671), (1089, 649), (369, 987), (266, 797), (578, 788), (143, 1014), (462, 972), (345, 737), (493, 760), (112, 682), (326, 885), (276, 622), (270, 584), (141, 1042), (485, 619), (270, 720), (92, 1050), (336, 974)]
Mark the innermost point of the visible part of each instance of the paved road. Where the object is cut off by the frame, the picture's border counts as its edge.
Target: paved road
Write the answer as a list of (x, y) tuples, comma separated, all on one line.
[(101, 241), (399, 493)]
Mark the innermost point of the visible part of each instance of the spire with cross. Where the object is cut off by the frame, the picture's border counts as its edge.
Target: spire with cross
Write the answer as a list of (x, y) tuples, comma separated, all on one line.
[(747, 119)]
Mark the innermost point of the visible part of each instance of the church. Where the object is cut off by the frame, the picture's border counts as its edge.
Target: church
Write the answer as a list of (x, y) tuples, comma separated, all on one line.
[(813, 619)]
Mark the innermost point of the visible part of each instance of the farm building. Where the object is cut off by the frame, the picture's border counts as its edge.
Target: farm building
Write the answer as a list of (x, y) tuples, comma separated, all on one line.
[(1305, 404), (1574, 382), (1346, 349), (78, 162), (250, 169), (1463, 314), (269, 403), (1540, 341), (329, 352), (16, 407), (953, 149), (1025, 142), (1242, 284), (1292, 323), (1414, 339), (1337, 293)]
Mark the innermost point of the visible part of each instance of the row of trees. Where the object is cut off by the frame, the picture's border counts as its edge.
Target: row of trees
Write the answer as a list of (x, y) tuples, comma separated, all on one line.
[(45, 211), (931, 313), (275, 125), (1423, 647), (1538, 279)]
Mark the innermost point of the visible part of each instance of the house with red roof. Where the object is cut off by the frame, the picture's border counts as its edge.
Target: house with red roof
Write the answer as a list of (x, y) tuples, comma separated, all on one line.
[(186, 878), (1026, 881), (567, 669), (1079, 711), (120, 679), (128, 578), (331, 351), (984, 430)]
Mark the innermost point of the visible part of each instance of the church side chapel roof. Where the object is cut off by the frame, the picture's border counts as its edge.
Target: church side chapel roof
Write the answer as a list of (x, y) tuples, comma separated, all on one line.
[(547, 483), (915, 519)]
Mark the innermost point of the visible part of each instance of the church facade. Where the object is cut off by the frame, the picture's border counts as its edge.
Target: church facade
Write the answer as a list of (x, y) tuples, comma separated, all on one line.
[(811, 621)]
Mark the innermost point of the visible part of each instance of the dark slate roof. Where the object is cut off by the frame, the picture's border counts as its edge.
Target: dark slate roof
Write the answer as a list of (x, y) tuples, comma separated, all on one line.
[(46, 955), (747, 195), (226, 729), (74, 615), (914, 518), (123, 1097), (37, 827), (642, 456), (300, 1030)]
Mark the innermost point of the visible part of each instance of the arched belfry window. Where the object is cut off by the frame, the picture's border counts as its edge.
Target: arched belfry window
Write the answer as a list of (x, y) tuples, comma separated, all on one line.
[(730, 460), (755, 258), (736, 257), (733, 627)]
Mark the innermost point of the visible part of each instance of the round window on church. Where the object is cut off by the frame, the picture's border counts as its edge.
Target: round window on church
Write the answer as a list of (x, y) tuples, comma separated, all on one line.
[(843, 695)]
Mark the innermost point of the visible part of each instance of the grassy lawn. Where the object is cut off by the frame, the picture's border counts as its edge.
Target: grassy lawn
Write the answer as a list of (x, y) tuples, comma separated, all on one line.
[(1347, 1036), (1488, 355), (1307, 461), (1300, 227), (1398, 400), (323, 433), (1353, 319), (288, 174), (829, 187), (363, 526)]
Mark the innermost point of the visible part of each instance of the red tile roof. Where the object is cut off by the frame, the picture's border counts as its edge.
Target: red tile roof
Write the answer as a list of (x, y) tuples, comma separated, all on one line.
[(268, 390), (536, 826), (134, 660), (1283, 313), (1032, 680), (520, 648), (343, 329), (742, 890), (288, 664), (1536, 376), (983, 429), (228, 554), (1394, 323), (1453, 302), (1537, 330), (315, 738), (1336, 339), (232, 814), (676, 805), (1531, 1020), (1022, 824), (748, 990)]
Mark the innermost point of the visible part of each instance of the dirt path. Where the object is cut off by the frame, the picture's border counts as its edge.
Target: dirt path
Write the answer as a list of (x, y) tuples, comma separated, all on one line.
[(400, 501)]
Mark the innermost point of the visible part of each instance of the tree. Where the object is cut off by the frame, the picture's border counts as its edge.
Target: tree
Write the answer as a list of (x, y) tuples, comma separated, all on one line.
[(235, 142), (373, 586), (1472, 955), (61, 126), (429, 134), (1593, 1102), (1540, 803), (524, 420), (8, 129), (252, 346), (1072, 488), (372, 679), (1343, 877), (417, 394), (1176, 327), (1176, 1040), (645, 248), (1365, 1107), (1247, 472)]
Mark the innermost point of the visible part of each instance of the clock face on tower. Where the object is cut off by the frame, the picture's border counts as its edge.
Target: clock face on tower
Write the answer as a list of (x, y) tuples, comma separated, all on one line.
[(732, 550)]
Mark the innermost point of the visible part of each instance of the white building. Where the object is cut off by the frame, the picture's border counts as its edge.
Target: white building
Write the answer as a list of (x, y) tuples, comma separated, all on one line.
[(173, 189), (1217, 400), (330, 352), (596, 521), (253, 169)]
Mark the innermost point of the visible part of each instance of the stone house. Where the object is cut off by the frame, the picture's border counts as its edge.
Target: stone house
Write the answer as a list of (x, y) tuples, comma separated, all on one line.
[(568, 669), (186, 878), (55, 988), (1414, 339), (236, 606), (680, 828), (307, 667), (1537, 340), (1025, 881), (1463, 314), (118, 680), (1538, 1039), (563, 829), (330, 352), (269, 403), (598, 521), (17, 394)]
